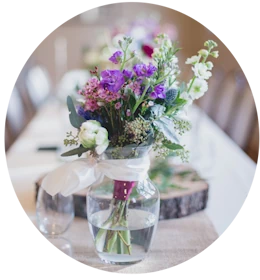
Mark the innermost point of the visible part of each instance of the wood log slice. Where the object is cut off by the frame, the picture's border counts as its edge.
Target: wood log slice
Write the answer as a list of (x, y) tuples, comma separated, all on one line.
[(188, 195)]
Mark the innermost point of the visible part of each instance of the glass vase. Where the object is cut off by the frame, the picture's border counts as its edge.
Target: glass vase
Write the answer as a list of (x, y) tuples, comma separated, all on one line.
[(54, 213), (123, 215)]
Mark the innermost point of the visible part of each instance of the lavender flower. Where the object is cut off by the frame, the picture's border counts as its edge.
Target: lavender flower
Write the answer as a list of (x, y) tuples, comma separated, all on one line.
[(159, 92), (112, 80), (127, 73), (116, 57), (143, 70)]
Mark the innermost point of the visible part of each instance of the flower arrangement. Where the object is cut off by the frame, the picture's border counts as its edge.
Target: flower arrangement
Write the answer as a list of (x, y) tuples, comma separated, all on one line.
[(138, 104), (122, 113)]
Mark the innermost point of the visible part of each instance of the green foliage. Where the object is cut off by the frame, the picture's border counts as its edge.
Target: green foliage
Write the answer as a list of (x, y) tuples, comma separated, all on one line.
[(172, 146), (75, 119), (78, 151), (166, 127)]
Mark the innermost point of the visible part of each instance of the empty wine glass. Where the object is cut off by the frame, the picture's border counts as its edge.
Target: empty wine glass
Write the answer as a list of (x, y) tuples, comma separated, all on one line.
[(54, 213)]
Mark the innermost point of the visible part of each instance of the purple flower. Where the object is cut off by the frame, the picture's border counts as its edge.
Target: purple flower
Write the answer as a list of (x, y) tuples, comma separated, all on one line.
[(151, 69), (116, 57), (128, 73), (159, 92), (88, 115), (143, 70), (112, 80), (153, 95)]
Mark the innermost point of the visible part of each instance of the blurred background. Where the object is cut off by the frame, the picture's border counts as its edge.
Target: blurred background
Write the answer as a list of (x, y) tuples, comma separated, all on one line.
[(61, 64)]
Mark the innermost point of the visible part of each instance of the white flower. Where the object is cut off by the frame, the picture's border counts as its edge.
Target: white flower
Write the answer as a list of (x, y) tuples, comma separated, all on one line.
[(201, 71), (210, 43), (168, 43), (93, 135), (150, 103), (193, 60), (215, 54), (203, 52), (90, 126), (209, 65), (175, 60), (101, 140), (198, 88), (186, 96)]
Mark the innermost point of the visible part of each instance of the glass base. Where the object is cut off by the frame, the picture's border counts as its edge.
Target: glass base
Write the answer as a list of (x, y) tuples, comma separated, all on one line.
[(119, 259)]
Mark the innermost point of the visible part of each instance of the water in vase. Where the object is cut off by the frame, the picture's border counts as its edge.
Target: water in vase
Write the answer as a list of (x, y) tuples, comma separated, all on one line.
[(123, 244)]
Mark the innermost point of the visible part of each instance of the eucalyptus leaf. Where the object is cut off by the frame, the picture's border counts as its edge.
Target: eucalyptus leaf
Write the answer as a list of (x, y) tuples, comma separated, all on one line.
[(166, 126), (78, 151), (75, 119)]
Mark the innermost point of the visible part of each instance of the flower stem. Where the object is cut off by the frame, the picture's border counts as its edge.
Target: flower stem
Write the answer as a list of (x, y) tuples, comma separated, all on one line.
[(192, 81), (126, 244), (140, 100), (124, 59)]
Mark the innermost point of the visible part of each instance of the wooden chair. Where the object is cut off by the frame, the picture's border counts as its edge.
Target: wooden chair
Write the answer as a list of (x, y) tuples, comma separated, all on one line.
[(38, 85), (230, 103), (16, 118)]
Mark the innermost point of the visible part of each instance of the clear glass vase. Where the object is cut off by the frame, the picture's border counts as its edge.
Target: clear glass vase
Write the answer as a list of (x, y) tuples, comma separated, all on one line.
[(123, 215), (54, 213)]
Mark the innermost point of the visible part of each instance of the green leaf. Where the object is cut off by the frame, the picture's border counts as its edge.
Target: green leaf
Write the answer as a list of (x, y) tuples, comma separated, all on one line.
[(75, 119), (78, 151), (132, 101), (178, 103), (157, 110), (166, 126), (172, 146)]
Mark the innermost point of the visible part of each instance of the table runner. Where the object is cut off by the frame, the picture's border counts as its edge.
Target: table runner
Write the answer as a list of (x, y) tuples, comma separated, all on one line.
[(176, 241)]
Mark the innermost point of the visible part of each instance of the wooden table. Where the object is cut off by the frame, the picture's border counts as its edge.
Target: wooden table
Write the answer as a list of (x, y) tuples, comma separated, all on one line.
[(230, 178)]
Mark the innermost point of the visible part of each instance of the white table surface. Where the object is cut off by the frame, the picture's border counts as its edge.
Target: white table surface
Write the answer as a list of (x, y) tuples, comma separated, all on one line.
[(227, 168)]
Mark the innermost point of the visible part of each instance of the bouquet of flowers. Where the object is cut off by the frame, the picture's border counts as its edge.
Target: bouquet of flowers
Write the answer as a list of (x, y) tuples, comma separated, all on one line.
[(121, 114), (141, 104)]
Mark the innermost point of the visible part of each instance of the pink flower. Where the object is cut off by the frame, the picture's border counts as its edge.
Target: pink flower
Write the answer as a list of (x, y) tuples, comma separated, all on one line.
[(102, 94), (95, 94), (128, 112), (91, 105), (135, 87), (91, 86), (118, 105), (109, 98), (116, 96)]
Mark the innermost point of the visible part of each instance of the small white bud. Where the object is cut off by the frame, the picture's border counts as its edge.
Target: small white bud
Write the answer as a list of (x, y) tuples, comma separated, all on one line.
[(203, 53), (214, 54)]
